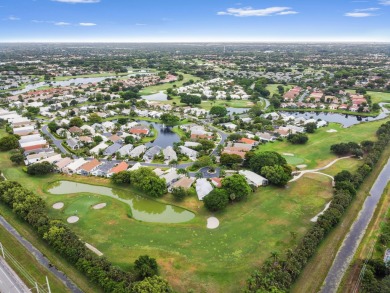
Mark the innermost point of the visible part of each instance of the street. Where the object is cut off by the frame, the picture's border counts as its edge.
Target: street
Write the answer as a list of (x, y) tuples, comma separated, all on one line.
[(9, 281)]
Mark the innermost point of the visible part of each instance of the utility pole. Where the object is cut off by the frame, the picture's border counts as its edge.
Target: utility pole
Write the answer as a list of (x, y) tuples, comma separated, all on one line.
[(48, 285)]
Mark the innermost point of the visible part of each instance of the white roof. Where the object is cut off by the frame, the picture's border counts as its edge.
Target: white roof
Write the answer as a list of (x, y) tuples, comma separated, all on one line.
[(203, 188), (76, 164), (100, 146), (253, 177)]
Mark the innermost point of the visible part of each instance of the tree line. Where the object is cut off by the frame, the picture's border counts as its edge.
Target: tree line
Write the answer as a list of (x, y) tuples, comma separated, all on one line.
[(278, 275), (32, 209)]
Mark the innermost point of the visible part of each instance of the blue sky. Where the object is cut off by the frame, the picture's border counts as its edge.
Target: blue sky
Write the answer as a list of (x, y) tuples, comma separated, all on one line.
[(194, 20)]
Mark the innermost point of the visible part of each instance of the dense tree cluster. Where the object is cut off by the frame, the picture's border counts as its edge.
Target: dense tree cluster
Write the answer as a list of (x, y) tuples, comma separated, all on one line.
[(32, 209), (190, 99), (143, 179), (342, 149), (219, 111), (297, 138), (9, 142), (278, 275), (40, 168)]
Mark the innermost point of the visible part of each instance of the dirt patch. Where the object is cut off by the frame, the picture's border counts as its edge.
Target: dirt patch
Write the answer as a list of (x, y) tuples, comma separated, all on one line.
[(73, 219), (99, 206), (58, 205), (303, 166)]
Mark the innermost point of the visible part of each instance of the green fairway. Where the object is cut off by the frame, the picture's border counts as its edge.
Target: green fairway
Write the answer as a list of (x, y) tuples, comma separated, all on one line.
[(273, 88), (316, 152)]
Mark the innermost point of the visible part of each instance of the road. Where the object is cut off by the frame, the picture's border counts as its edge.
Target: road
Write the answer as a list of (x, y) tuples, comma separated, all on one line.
[(57, 142), (9, 280), (39, 257), (352, 239)]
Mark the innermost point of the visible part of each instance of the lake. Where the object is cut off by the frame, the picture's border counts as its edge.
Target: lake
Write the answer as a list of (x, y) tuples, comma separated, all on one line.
[(344, 119), (165, 137), (160, 96), (142, 209)]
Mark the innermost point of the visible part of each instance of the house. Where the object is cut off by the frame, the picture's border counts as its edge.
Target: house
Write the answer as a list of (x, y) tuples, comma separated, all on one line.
[(264, 136), (232, 151), (242, 147), (169, 154), (125, 150), (108, 125), (34, 145), (85, 139), (103, 169), (249, 141), (188, 152), (88, 167), (171, 176), (75, 130), (137, 151), (229, 125), (184, 182), (24, 130), (139, 130), (62, 132), (73, 143), (100, 147), (253, 178), (74, 166), (216, 181), (61, 164), (203, 188), (33, 158), (89, 129), (115, 138), (135, 167), (122, 166), (112, 149), (52, 158), (151, 153), (191, 144)]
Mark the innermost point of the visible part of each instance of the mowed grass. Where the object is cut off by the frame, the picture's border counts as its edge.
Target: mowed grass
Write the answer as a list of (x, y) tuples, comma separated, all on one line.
[(376, 97), (163, 87), (316, 152), (273, 88), (350, 164), (189, 255)]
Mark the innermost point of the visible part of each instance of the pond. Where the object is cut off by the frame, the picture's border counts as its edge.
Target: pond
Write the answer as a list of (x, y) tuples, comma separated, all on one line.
[(165, 137), (232, 110), (160, 96), (142, 209), (344, 119)]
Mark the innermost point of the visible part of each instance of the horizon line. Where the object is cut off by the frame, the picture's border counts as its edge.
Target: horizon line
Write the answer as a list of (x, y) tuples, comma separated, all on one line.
[(199, 42)]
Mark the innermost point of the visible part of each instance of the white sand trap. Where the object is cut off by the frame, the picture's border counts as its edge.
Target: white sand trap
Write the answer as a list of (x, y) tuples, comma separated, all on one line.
[(331, 130), (212, 223), (99, 206), (303, 166), (58, 205), (288, 154), (94, 249), (73, 219)]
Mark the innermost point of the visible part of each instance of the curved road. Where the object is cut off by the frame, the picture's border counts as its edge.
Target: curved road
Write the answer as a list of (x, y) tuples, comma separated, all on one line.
[(356, 233)]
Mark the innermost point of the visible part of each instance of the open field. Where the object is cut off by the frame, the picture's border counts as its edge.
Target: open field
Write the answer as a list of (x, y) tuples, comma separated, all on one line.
[(106, 74), (273, 88), (316, 152), (317, 268), (29, 263), (189, 251), (162, 87), (376, 97)]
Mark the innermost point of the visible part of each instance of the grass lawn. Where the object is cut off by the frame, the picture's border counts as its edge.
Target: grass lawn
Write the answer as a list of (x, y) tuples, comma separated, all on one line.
[(349, 164), (29, 263), (316, 152), (163, 87), (273, 88), (376, 97), (189, 255), (106, 74)]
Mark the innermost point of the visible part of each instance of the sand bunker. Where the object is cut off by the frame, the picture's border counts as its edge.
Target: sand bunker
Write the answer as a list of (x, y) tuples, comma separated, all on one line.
[(99, 206), (58, 205), (303, 166), (212, 223), (72, 219), (331, 130), (288, 154)]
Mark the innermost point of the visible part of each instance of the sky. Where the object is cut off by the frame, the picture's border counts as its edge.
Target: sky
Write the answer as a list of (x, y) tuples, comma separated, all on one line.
[(194, 21)]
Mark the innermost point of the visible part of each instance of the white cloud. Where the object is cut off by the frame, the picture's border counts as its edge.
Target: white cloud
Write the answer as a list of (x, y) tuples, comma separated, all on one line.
[(140, 24), (61, 23), (87, 24), (359, 14), (77, 1), (11, 17), (249, 11), (367, 9), (385, 2)]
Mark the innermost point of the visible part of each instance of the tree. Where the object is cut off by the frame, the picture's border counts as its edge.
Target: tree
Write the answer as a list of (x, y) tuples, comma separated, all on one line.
[(190, 100), (219, 111), (97, 139), (216, 200), (311, 127), (40, 168), (179, 193), (122, 177), (230, 159), (95, 118), (9, 142), (17, 158), (260, 160), (236, 187), (276, 174), (146, 266), (206, 144), (53, 126), (76, 121), (297, 138), (169, 119), (129, 139), (153, 284), (122, 121)]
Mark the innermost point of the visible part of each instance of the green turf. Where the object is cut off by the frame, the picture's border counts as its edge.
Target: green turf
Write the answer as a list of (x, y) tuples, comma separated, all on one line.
[(163, 87)]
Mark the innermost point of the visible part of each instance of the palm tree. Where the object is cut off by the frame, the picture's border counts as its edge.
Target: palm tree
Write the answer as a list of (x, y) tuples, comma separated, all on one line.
[(275, 255)]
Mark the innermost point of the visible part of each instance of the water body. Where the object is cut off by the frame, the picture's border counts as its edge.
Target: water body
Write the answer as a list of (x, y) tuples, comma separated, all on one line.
[(232, 110), (356, 233), (344, 119), (142, 209), (160, 96), (165, 137)]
